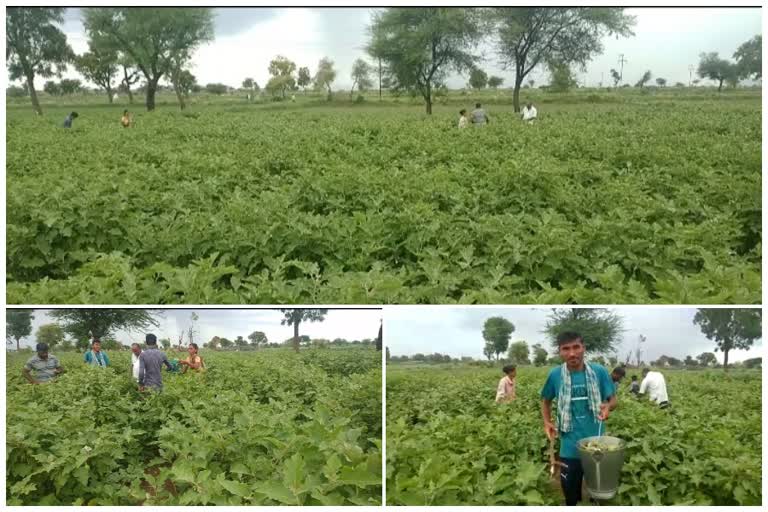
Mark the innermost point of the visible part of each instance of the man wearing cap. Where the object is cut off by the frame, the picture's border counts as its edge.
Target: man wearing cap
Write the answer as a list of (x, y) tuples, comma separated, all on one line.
[(617, 374), (151, 363), (42, 368)]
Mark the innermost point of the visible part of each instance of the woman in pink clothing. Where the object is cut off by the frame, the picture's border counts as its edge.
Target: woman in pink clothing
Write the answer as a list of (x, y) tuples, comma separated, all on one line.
[(505, 392)]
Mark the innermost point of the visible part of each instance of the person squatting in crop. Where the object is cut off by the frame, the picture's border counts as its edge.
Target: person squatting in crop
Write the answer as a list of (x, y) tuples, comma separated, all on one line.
[(68, 120), (506, 390), (42, 368), (656, 386), (617, 374), (193, 362), (95, 356), (585, 397)]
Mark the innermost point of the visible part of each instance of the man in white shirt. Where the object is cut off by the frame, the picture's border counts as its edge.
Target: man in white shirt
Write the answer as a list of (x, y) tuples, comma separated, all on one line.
[(136, 352), (529, 112), (656, 386)]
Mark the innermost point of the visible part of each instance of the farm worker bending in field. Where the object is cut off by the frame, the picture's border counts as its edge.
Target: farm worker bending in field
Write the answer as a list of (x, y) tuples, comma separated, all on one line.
[(463, 120), (479, 117), (135, 353), (656, 386), (95, 356), (42, 368), (68, 120), (151, 363), (585, 397), (126, 120), (529, 112), (617, 374), (194, 361), (506, 392)]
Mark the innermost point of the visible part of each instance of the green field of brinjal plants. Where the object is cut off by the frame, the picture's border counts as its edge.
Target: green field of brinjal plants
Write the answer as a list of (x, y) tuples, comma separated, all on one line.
[(448, 443), (259, 428), (640, 201)]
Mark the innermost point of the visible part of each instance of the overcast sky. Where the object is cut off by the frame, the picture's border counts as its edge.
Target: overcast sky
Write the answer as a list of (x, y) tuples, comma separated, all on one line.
[(667, 41), (231, 323), (458, 331)]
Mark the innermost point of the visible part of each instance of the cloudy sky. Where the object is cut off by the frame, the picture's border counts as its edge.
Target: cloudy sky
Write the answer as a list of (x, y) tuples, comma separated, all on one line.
[(667, 41), (231, 323), (458, 331)]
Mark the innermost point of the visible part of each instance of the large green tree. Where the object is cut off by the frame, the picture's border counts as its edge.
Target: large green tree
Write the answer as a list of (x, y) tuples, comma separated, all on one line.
[(281, 69), (18, 325), (361, 76), (92, 322), (519, 353), (35, 46), (257, 338), (711, 66), (295, 317), (325, 76), (496, 333), (52, 334), (749, 58), (601, 329), (100, 67), (478, 79), (539, 355), (529, 36), (644, 79), (304, 78), (420, 46), (730, 329), (157, 40)]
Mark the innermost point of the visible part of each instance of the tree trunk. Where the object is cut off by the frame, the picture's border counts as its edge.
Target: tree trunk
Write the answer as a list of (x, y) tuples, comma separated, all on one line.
[(17, 345), (428, 98), (109, 94), (516, 93), (725, 360), (130, 94), (379, 78), (151, 91), (720, 85), (296, 335), (35, 102), (179, 97)]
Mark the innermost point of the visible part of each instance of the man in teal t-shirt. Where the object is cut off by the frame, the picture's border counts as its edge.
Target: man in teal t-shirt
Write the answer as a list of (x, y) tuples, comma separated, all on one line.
[(585, 396), (96, 356)]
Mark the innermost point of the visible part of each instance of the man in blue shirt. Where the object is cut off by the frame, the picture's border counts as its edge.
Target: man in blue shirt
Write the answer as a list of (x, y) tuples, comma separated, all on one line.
[(585, 397)]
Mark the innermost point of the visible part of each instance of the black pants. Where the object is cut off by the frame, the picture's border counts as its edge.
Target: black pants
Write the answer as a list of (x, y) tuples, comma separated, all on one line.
[(570, 480)]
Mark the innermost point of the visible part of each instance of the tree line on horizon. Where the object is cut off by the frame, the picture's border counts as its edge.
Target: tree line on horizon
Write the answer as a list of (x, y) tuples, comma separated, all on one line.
[(412, 49)]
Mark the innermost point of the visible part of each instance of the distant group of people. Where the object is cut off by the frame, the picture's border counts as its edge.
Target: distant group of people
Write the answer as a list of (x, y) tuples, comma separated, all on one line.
[(146, 364), (586, 394), (479, 117), (126, 120)]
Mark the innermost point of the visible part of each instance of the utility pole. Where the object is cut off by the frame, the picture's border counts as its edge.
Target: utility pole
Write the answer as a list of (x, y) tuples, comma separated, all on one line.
[(622, 60), (690, 74)]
